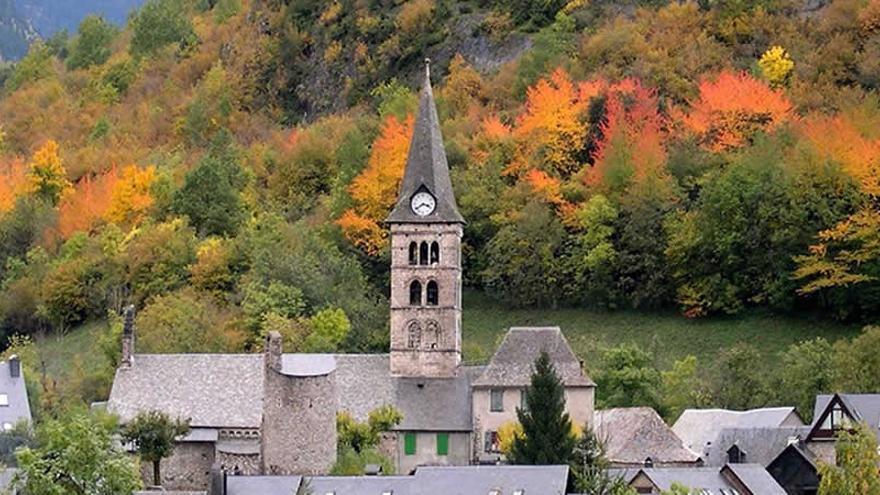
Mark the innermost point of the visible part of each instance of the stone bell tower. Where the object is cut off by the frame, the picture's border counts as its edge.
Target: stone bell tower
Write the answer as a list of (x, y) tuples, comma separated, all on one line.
[(426, 230)]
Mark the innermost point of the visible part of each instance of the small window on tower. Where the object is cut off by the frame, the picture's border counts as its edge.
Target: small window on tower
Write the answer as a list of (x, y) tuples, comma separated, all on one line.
[(423, 253), (413, 253), (433, 294), (415, 293), (435, 252), (414, 335)]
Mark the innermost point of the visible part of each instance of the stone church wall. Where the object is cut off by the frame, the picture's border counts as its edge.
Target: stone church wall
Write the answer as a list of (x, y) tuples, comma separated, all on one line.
[(188, 468)]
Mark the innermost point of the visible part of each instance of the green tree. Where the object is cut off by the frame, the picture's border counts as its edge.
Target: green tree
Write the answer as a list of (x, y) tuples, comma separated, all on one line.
[(740, 381), (628, 378), (210, 196), (158, 24), (807, 370), (591, 260), (855, 470), (357, 441), (330, 328), (36, 65), (76, 455), (92, 43), (589, 468), (158, 257), (153, 434), (856, 363), (547, 437), (682, 387)]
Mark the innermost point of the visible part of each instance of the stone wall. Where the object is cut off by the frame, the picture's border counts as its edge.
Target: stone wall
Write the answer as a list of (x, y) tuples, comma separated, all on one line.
[(299, 424), (438, 352), (187, 469)]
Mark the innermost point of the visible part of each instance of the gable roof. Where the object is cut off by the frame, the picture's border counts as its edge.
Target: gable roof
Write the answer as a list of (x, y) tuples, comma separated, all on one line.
[(513, 363), (226, 390), (262, 485), (864, 407), (426, 167), (713, 480), (698, 428), (16, 395), (633, 434), (761, 445)]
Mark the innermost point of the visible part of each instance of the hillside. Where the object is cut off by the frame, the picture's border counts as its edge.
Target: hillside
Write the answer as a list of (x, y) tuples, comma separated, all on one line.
[(686, 176), (16, 31)]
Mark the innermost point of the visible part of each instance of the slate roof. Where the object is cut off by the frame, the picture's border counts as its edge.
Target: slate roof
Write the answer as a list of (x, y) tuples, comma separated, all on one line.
[(211, 390), (479, 480), (513, 362), (865, 406), (226, 390), (697, 428), (426, 167), (633, 434), (712, 480), (761, 445), (364, 383), (16, 394), (262, 485)]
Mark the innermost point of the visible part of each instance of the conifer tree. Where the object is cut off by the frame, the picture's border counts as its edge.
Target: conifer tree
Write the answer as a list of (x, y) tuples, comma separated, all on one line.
[(547, 437)]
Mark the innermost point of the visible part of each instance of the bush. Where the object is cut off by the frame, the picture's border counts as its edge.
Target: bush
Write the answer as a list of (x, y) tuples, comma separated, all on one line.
[(158, 24), (92, 44)]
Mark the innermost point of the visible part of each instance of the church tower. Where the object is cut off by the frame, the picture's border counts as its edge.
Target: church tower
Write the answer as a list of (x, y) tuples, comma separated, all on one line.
[(426, 230)]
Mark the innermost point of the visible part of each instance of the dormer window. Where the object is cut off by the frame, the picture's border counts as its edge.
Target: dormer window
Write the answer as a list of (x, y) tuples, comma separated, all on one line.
[(735, 455), (836, 420)]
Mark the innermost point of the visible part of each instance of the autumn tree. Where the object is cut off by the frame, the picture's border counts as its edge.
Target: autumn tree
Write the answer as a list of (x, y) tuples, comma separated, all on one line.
[(13, 182), (46, 175), (855, 469), (87, 204), (131, 198), (374, 191), (732, 109)]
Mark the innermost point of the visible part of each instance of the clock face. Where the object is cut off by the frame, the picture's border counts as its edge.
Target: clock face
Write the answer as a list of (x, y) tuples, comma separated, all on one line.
[(423, 204)]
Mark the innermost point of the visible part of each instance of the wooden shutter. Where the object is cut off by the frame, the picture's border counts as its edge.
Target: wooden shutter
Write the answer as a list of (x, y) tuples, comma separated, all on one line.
[(409, 443), (443, 444)]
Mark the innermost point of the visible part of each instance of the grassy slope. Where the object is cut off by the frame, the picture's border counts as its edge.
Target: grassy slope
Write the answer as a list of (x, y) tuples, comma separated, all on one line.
[(668, 335)]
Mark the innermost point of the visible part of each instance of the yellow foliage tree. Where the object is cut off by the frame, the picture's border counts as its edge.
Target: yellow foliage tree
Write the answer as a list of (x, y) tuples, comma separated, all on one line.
[(776, 65), (510, 430), (13, 182), (375, 189), (46, 174), (131, 198)]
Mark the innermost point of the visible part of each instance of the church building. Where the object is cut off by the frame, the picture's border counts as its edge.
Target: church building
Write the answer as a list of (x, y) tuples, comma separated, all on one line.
[(275, 413)]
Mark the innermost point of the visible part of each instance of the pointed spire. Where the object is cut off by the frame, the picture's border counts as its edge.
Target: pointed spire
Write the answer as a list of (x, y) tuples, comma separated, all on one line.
[(426, 166)]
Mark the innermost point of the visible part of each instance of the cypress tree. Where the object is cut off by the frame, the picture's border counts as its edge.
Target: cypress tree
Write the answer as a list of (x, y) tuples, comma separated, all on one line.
[(547, 437)]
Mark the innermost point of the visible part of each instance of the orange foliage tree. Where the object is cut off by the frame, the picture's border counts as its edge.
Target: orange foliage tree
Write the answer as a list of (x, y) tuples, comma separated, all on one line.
[(632, 146), (87, 204), (374, 191), (131, 198), (550, 132), (13, 182), (837, 138), (732, 108)]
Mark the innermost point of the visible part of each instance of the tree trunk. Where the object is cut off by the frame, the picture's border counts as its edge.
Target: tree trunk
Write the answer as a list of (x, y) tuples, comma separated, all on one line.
[(157, 477)]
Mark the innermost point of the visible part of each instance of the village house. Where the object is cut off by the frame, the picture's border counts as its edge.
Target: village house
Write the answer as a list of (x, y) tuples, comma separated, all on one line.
[(14, 405), (638, 436), (699, 428), (734, 479)]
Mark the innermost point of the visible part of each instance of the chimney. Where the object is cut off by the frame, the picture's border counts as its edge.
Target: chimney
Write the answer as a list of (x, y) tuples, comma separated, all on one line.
[(127, 338), (272, 351), (14, 366)]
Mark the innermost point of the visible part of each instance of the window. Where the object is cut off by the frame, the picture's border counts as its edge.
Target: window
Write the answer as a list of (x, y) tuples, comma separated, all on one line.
[(490, 443), (496, 400), (443, 444), (415, 293), (435, 252), (836, 419), (432, 335), (423, 253), (4, 400), (409, 443), (413, 253), (433, 294), (735, 455), (523, 403), (413, 335)]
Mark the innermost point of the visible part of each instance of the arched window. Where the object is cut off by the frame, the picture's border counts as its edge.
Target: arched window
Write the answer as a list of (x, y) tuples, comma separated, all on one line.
[(413, 253), (423, 253), (433, 294), (415, 293), (435, 252), (413, 335), (433, 339)]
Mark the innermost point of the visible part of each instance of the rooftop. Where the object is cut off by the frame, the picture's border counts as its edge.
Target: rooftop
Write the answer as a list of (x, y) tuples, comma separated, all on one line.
[(698, 428), (633, 434)]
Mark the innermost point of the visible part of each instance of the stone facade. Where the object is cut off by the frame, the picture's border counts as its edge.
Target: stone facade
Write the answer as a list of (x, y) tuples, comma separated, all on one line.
[(188, 468), (425, 336), (299, 418)]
